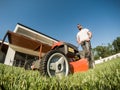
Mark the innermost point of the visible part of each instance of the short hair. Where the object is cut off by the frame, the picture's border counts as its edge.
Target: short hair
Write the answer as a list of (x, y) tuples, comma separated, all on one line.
[(79, 24)]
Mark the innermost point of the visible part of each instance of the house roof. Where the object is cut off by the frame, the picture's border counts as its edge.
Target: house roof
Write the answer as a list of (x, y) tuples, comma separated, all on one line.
[(29, 41), (36, 31), (31, 33), (25, 42)]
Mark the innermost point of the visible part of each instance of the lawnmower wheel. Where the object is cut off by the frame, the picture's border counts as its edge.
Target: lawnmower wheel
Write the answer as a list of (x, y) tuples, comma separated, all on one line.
[(54, 63)]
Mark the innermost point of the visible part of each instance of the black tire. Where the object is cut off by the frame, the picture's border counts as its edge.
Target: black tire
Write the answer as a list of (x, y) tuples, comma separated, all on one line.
[(54, 63), (28, 65)]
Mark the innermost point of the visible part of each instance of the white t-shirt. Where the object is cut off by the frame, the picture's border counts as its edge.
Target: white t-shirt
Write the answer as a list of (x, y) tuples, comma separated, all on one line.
[(83, 34)]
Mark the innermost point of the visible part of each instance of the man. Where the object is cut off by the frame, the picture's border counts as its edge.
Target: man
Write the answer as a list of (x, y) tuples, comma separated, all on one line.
[(83, 39)]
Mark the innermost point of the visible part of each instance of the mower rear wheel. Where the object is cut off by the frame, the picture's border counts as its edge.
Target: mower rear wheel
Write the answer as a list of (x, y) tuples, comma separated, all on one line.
[(54, 63), (28, 65)]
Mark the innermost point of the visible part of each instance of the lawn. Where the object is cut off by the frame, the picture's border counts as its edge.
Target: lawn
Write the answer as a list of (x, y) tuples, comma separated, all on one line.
[(105, 76)]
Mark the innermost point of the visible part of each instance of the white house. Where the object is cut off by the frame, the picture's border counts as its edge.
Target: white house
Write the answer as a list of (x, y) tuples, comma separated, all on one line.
[(25, 43)]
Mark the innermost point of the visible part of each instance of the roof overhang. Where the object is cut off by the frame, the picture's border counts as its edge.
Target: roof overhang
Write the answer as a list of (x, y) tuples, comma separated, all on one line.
[(31, 33), (4, 46), (20, 41)]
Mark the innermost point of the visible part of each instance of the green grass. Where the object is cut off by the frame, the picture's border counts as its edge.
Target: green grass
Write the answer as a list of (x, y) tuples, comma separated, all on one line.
[(105, 76)]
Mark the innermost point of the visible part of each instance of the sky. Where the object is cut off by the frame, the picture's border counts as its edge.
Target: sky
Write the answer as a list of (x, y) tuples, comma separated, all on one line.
[(59, 18)]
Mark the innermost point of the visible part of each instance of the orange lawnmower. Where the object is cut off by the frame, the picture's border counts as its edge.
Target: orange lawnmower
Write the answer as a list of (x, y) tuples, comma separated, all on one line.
[(63, 59)]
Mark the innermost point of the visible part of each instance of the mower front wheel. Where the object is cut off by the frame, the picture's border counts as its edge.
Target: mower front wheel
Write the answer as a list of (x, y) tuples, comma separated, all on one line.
[(54, 63)]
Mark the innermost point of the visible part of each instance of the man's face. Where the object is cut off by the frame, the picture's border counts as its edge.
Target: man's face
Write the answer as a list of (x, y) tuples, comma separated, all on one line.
[(79, 27)]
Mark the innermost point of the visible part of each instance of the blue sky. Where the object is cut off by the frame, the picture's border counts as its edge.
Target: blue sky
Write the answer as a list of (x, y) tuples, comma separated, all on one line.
[(59, 18)]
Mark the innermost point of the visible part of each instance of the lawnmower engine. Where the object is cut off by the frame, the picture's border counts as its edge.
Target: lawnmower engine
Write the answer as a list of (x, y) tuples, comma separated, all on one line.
[(63, 59)]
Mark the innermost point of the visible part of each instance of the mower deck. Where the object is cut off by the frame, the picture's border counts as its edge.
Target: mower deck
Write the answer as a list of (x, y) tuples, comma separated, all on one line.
[(79, 66)]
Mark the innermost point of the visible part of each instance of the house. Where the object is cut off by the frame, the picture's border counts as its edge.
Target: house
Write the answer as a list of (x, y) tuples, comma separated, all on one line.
[(3, 51), (24, 44)]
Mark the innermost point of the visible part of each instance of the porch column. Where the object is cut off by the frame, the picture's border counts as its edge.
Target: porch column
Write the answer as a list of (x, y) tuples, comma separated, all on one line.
[(10, 56)]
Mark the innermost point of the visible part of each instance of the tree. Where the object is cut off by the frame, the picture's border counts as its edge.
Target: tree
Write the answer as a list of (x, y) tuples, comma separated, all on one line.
[(116, 45), (100, 51), (110, 49), (103, 51)]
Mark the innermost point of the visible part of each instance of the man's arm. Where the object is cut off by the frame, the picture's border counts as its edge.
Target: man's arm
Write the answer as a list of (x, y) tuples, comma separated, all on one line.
[(78, 39), (89, 34)]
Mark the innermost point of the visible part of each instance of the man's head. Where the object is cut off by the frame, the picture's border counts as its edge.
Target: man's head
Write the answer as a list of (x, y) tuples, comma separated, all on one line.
[(79, 26)]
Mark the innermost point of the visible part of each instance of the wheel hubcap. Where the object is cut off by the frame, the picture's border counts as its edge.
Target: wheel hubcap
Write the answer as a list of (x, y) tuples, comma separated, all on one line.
[(57, 65)]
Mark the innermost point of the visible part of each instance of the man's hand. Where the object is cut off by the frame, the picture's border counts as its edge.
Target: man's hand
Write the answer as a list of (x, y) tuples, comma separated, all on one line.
[(88, 39)]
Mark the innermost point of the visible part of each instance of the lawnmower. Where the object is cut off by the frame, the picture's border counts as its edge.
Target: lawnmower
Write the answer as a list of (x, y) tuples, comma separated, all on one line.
[(62, 60)]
